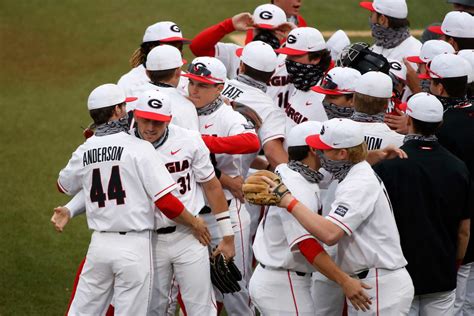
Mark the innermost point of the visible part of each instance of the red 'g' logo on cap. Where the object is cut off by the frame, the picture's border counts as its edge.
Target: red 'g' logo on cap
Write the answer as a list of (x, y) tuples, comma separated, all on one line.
[(266, 15), (175, 28), (291, 39), (155, 103)]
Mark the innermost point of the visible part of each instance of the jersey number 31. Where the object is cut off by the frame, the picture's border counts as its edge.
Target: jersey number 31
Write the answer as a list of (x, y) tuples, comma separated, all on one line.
[(114, 189)]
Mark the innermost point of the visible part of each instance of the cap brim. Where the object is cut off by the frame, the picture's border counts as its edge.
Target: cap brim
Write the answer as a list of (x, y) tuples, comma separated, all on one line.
[(424, 76), (435, 29), (315, 141), (130, 99), (415, 59), (239, 51), (266, 26), (175, 39), (152, 116), (200, 78), (319, 89), (367, 5), (290, 51)]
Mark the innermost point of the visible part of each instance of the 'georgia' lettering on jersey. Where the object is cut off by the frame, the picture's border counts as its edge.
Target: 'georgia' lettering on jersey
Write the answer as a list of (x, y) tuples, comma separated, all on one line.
[(373, 142), (102, 154), (177, 166), (232, 92), (295, 115), (279, 81)]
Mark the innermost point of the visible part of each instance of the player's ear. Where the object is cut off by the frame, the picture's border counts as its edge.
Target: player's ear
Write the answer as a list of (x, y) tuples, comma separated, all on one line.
[(220, 87), (383, 20)]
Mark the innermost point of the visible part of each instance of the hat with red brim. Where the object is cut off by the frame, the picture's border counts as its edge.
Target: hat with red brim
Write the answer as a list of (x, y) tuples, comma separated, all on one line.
[(315, 141), (153, 105), (367, 5), (436, 29), (337, 133), (152, 116), (415, 59)]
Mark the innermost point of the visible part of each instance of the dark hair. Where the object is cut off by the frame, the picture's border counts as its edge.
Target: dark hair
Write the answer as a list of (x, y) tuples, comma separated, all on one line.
[(139, 55), (455, 87), (395, 23), (462, 42), (298, 153), (161, 75), (103, 115), (262, 76), (425, 128), (470, 91), (325, 56)]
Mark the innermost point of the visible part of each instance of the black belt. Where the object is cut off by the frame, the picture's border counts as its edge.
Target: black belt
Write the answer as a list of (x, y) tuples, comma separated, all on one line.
[(121, 233), (166, 230), (207, 210), (362, 275), (302, 274)]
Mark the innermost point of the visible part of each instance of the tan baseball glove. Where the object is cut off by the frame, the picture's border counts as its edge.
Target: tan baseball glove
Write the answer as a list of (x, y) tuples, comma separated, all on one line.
[(257, 191)]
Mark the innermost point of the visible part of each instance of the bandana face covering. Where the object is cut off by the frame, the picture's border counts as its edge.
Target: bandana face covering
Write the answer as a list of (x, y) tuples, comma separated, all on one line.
[(268, 37), (336, 111), (252, 82), (452, 102), (211, 107), (113, 127), (425, 85), (388, 37), (338, 168), (366, 118), (306, 172), (431, 138), (303, 76)]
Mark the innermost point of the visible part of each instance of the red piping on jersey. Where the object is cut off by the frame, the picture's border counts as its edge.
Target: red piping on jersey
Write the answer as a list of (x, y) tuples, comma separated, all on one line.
[(170, 205), (245, 143), (204, 43), (61, 189), (310, 248), (208, 177), (241, 237), (341, 223), (164, 189), (377, 288), (292, 292), (269, 138), (296, 239)]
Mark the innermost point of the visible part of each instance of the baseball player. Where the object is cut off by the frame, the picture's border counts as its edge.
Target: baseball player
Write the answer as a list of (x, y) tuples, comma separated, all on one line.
[(457, 29), (286, 252), (361, 220), (160, 33), (120, 215), (220, 123)]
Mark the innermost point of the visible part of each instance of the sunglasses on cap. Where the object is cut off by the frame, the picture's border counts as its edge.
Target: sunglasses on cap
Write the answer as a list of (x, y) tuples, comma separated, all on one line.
[(433, 74), (199, 70), (328, 84)]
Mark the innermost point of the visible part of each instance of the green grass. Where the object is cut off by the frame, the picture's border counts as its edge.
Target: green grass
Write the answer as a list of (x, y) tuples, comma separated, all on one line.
[(53, 53)]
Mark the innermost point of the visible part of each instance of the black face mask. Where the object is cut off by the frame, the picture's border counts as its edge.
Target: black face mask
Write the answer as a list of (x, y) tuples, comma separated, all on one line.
[(303, 76), (268, 37), (336, 111)]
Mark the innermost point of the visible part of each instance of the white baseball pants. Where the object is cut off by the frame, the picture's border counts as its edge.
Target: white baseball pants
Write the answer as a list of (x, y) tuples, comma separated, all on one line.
[(433, 304)]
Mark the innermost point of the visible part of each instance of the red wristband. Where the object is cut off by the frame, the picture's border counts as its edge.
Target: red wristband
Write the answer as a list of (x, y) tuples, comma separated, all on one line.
[(292, 205)]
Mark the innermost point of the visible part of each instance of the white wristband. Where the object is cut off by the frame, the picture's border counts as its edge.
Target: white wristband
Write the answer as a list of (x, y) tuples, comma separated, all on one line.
[(225, 226)]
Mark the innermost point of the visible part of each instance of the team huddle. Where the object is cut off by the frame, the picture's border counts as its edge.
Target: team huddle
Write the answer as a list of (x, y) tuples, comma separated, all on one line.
[(288, 176)]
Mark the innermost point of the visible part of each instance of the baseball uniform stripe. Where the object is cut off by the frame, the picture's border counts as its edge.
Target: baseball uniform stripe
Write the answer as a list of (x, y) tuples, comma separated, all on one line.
[(292, 292), (339, 223), (60, 187), (297, 240), (377, 289), (167, 189)]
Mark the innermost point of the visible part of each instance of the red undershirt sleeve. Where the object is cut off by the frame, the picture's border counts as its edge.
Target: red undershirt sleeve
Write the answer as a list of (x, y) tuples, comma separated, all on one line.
[(170, 205), (245, 143), (310, 248), (204, 43)]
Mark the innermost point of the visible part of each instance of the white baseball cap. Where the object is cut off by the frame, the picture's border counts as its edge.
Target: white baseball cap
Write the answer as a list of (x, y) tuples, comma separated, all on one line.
[(455, 24), (338, 81), (164, 32), (468, 55), (394, 8), (337, 42), (107, 95), (164, 57), (446, 66), (208, 70), (303, 40), (337, 133), (268, 16), (375, 84), (430, 49), (298, 134), (398, 69), (258, 55), (425, 107), (153, 105)]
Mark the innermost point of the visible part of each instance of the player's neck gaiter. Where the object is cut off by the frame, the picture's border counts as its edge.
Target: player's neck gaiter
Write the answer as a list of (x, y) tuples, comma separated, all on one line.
[(431, 138), (252, 82), (162, 84), (268, 37), (306, 172), (338, 168), (211, 107), (160, 141), (453, 102), (113, 127), (388, 37), (425, 85), (366, 118), (336, 111), (303, 76)]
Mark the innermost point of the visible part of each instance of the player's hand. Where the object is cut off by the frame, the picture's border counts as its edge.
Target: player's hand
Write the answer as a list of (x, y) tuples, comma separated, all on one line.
[(283, 29), (392, 151), (243, 22), (354, 291), (397, 122), (60, 218), (413, 82), (226, 247), (234, 185), (201, 232), (285, 200)]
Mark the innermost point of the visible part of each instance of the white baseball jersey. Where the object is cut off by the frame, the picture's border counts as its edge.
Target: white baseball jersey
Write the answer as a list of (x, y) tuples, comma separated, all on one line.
[(225, 52), (183, 111), (304, 106), (379, 135), (278, 234), (137, 76), (121, 177), (409, 47), (187, 159), (225, 122), (363, 211), (279, 86), (273, 120)]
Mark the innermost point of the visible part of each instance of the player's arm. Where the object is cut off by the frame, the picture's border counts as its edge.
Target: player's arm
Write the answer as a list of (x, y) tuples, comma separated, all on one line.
[(234, 185), (63, 214), (69, 181), (275, 153), (216, 199), (463, 239), (244, 143), (389, 152)]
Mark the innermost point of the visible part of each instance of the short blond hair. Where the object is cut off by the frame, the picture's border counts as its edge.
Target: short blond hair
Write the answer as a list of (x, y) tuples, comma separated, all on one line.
[(357, 153), (369, 105)]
